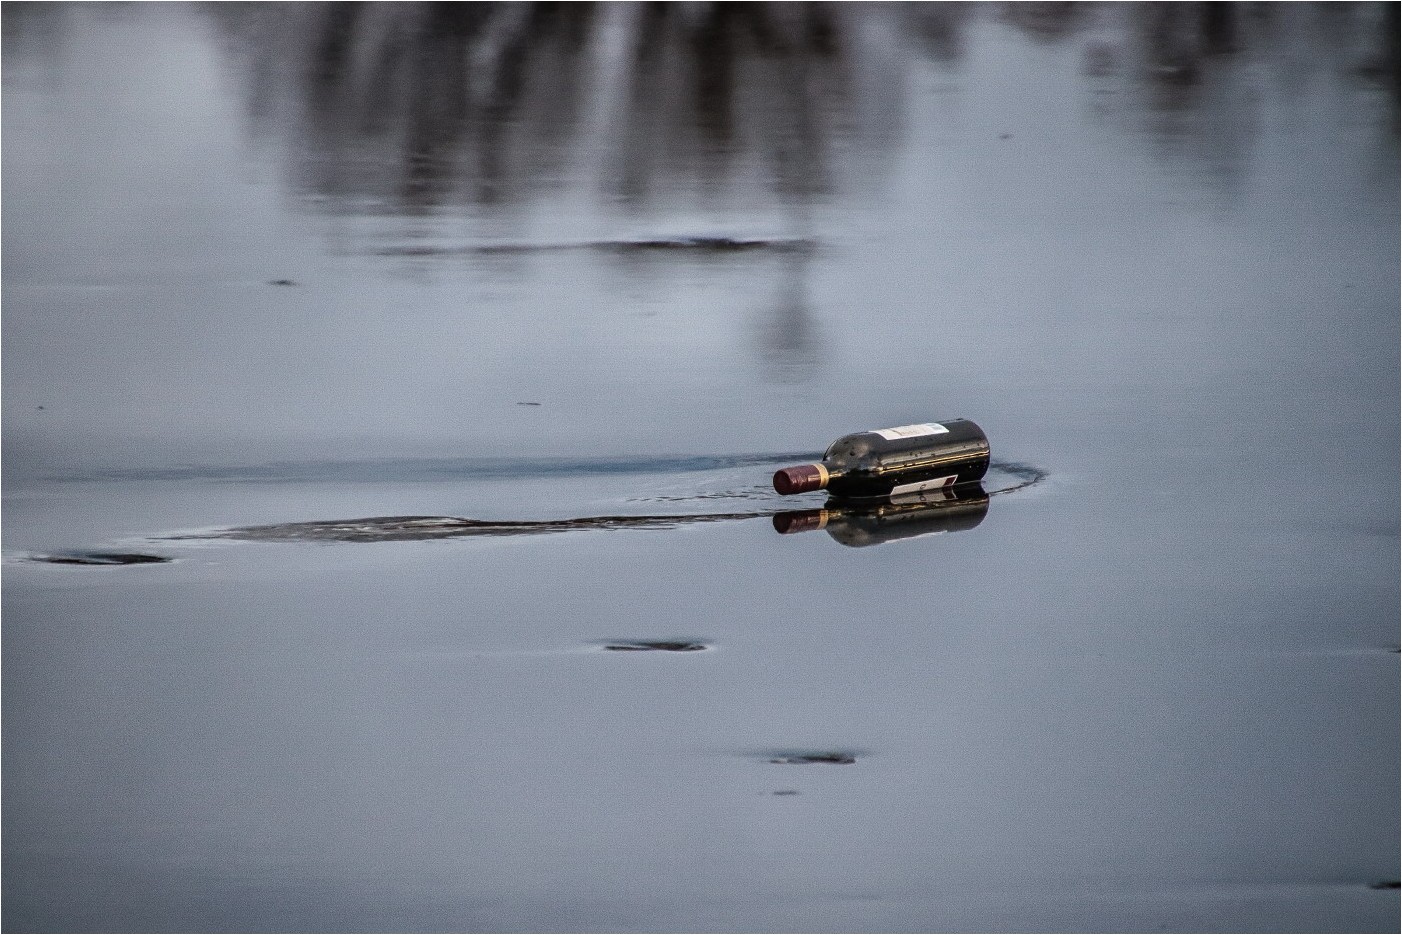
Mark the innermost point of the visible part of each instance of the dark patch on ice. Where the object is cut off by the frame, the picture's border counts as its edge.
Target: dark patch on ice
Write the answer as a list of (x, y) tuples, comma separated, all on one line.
[(832, 757), (101, 558), (668, 646)]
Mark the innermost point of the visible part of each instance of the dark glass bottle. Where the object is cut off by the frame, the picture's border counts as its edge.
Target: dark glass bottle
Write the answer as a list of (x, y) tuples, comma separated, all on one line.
[(886, 462), (904, 516)]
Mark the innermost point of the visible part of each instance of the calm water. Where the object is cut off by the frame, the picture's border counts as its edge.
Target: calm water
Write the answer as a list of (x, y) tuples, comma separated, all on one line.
[(269, 265)]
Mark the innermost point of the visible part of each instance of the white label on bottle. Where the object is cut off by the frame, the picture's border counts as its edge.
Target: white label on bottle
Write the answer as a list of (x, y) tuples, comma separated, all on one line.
[(939, 483), (911, 431)]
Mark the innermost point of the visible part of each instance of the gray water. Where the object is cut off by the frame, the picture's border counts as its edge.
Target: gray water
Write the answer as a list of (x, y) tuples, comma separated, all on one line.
[(268, 265)]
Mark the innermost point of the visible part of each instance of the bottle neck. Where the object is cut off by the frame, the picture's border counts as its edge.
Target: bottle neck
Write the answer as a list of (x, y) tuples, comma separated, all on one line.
[(802, 478)]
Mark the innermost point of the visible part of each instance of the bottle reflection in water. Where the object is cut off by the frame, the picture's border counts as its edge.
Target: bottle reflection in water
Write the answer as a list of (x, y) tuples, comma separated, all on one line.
[(903, 516), (895, 461)]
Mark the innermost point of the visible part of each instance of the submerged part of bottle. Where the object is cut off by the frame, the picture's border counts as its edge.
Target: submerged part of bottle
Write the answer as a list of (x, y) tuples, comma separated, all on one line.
[(887, 462), (903, 516)]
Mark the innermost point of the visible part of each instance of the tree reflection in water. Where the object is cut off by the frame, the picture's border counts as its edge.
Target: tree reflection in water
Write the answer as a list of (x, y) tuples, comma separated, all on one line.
[(414, 105), (408, 106), (408, 109), (417, 105), (412, 112)]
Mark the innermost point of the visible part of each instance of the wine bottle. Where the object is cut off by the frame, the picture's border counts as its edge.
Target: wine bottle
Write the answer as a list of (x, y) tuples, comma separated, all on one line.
[(903, 516), (886, 462)]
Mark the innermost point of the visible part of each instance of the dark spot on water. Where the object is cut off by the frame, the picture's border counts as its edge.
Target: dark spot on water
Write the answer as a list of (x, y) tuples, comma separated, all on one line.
[(102, 558), (666, 646), (38, 407), (1005, 136), (1385, 885), (528, 404), (785, 792), (804, 758), (712, 244), (281, 282)]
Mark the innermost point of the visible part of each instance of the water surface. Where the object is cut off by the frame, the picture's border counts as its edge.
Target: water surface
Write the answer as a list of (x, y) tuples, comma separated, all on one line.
[(288, 264)]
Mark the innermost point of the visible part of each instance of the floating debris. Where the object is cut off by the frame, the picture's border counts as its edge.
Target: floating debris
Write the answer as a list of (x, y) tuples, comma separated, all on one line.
[(804, 758), (102, 558), (659, 646)]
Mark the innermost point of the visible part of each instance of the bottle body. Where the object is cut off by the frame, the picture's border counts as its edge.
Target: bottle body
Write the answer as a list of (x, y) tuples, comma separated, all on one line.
[(894, 461)]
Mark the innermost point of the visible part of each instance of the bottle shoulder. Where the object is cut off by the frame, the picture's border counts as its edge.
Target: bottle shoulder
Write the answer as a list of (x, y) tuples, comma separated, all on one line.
[(850, 449)]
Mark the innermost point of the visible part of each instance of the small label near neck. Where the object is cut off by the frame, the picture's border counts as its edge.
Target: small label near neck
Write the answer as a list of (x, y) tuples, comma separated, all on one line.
[(911, 431)]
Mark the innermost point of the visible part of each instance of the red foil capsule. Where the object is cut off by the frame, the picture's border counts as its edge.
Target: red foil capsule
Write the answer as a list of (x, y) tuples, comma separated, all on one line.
[(800, 478)]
